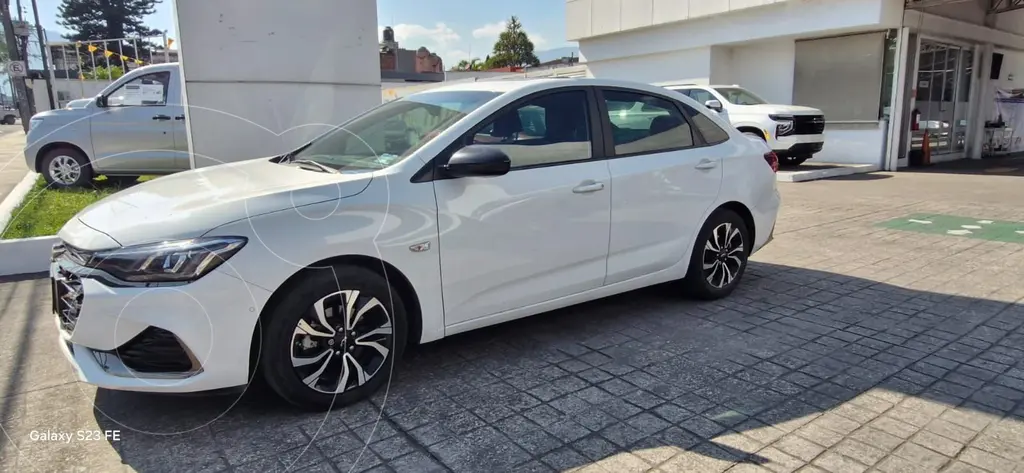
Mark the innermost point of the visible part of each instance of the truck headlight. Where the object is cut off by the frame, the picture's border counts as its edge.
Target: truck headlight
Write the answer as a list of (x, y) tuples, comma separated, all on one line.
[(169, 261)]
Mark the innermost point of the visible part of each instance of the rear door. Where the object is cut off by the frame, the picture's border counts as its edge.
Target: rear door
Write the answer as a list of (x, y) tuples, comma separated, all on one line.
[(665, 177)]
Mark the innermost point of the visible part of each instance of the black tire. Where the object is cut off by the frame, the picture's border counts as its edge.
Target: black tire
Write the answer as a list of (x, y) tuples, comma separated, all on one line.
[(697, 281), (84, 176), (280, 341), (793, 160), (9, 119)]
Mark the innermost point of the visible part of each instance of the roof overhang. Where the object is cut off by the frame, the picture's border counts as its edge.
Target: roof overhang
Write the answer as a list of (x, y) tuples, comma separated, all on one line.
[(993, 6)]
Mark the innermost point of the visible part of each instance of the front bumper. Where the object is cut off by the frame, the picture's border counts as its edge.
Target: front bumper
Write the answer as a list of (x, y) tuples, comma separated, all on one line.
[(798, 145), (175, 339)]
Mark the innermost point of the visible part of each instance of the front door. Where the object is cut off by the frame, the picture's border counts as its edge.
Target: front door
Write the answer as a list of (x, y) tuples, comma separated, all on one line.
[(134, 133), (938, 84), (539, 232)]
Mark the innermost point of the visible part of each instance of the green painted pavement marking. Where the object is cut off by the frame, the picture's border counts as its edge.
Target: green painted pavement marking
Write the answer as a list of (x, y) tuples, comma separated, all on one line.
[(980, 228)]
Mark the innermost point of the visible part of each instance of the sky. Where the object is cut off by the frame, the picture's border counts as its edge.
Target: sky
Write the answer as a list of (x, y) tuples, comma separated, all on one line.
[(455, 29)]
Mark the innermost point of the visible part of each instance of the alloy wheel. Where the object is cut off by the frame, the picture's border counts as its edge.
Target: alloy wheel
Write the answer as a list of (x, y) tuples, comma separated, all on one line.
[(342, 342), (65, 170), (723, 254)]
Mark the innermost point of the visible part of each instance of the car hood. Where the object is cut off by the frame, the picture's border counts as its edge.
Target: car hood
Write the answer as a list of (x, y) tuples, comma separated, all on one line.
[(62, 115), (773, 109), (191, 203)]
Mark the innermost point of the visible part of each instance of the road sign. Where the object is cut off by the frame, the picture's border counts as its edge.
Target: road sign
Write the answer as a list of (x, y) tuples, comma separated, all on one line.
[(16, 68), (22, 28)]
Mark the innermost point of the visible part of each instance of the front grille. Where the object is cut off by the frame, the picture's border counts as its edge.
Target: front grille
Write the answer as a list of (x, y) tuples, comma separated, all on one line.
[(67, 298), (808, 124), (155, 350)]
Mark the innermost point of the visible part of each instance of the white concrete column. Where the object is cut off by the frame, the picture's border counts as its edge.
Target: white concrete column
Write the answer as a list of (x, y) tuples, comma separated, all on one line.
[(981, 101), (264, 76)]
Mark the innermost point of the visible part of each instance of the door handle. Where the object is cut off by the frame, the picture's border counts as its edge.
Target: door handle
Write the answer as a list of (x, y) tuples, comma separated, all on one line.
[(179, 117), (587, 187), (161, 117), (706, 164)]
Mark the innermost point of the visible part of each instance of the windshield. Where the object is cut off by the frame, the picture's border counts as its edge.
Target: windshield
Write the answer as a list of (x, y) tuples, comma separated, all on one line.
[(738, 96), (392, 131)]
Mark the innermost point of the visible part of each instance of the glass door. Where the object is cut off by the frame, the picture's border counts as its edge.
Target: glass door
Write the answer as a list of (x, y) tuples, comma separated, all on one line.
[(938, 78)]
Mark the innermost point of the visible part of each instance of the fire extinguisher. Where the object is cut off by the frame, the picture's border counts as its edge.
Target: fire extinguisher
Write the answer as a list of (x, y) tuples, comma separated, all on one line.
[(915, 120)]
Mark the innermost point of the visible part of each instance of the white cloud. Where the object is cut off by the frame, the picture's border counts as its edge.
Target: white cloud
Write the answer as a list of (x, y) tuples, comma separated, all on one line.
[(490, 31)]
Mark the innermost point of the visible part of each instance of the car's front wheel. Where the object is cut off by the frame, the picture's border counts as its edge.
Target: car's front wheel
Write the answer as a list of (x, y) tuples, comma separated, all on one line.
[(719, 256), (333, 338), (66, 167)]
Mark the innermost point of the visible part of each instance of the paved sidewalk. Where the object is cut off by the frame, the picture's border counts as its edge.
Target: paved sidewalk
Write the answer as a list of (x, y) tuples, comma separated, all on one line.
[(849, 347), (12, 160)]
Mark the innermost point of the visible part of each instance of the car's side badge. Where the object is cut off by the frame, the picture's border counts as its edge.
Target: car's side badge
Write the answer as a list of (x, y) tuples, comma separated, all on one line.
[(420, 247)]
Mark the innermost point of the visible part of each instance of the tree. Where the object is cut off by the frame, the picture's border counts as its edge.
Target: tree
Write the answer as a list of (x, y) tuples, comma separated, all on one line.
[(108, 19), (513, 48), (469, 65)]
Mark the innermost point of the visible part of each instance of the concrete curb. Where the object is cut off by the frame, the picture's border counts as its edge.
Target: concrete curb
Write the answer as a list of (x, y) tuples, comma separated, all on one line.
[(814, 174), (14, 199), (26, 255)]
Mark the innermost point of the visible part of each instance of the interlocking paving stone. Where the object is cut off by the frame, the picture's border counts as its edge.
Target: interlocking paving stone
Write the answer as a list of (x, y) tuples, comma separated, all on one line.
[(849, 347)]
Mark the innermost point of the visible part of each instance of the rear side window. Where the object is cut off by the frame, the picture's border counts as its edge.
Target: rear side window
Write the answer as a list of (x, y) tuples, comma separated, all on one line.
[(712, 133), (645, 124)]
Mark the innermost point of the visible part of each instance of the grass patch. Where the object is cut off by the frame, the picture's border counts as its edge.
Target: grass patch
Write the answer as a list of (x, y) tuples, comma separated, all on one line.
[(44, 211)]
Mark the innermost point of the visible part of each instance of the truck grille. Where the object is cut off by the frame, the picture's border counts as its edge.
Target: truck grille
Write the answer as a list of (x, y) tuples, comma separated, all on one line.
[(808, 124)]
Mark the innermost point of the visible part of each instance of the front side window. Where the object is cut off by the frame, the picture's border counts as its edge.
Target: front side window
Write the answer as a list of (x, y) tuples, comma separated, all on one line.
[(740, 96), (646, 124), (145, 90), (392, 131), (549, 129), (701, 96)]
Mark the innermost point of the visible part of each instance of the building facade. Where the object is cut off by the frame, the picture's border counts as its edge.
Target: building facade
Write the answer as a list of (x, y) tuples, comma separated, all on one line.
[(887, 73)]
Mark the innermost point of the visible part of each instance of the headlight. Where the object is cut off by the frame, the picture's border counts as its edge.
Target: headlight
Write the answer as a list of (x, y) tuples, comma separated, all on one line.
[(784, 128), (169, 261), (781, 118)]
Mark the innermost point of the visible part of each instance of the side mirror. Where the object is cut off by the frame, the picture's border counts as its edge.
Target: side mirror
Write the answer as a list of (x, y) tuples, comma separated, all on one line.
[(478, 160), (714, 105), (101, 101)]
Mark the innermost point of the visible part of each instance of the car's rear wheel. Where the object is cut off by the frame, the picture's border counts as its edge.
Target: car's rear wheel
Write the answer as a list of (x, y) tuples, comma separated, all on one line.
[(66, 167), (719, 256), (333, 339), (793, 160)]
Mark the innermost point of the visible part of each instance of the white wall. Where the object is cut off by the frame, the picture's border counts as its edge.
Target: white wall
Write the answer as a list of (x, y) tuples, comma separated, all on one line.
[(850, 145), (691, 65), (241, 105), (585, 18), (75, 89), (766, 68), (1012, 21), (1013, 66)]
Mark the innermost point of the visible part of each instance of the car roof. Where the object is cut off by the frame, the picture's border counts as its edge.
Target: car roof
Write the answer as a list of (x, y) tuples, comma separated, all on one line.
[(532, 85)]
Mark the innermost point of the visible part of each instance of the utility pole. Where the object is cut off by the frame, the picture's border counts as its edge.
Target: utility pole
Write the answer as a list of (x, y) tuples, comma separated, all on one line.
[(48, 73), (15, 55)]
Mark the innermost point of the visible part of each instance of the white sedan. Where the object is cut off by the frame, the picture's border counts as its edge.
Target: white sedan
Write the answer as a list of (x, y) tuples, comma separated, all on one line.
[(441, 212)]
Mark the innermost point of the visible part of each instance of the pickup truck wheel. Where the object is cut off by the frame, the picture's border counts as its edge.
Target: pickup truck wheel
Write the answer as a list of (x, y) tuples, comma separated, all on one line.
[(793, 160), (9, 119), (66, 167)]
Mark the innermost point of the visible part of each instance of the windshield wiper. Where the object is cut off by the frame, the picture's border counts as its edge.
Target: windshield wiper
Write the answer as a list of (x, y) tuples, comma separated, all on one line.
[(310, 164)]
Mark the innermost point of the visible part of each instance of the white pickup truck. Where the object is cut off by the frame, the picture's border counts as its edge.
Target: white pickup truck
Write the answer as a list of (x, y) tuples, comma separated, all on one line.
[(795, 133)]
